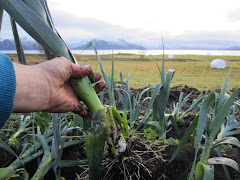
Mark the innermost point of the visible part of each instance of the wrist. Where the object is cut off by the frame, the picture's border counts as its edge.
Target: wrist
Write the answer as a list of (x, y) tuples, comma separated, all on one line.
[(29, 88)]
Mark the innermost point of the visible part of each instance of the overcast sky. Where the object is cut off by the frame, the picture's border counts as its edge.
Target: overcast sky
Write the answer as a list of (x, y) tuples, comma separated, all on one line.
[(145, 21)]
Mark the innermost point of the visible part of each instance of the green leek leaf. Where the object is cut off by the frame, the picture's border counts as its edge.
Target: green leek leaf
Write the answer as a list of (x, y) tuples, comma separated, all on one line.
[(20, 52), (220, 116), (46, 159), (185, 138), (228, 140), (224, 161), (70, 163), (1, 17), (7, 148), (204, 172)]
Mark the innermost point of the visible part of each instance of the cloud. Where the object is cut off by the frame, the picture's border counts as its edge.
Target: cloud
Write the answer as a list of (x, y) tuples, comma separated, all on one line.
[(72, 27), (209, 35), (80, 27), (234, 15), (204, 39)]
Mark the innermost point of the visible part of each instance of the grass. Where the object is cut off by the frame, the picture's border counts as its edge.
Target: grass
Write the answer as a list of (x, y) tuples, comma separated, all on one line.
[(192, 70)]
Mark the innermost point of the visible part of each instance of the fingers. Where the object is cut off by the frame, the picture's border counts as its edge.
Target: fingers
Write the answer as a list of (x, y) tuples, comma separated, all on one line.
[(99, 86), (94, 77), (82, 111), (79, 71)]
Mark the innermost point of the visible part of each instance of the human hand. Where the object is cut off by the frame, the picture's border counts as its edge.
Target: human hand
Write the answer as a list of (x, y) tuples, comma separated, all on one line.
[(45, 86)]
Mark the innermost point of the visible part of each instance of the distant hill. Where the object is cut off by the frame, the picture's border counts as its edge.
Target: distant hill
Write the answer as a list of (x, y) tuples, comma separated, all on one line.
[(9, 44), (234, 48), (116, 44), (107, 45)]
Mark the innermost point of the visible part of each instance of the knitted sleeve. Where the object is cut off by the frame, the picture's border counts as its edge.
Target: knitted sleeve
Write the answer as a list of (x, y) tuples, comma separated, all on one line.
[(7, 88)]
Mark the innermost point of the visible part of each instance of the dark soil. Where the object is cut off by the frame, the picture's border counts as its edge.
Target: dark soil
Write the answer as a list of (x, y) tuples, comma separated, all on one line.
[(143, 159), (5, 158)]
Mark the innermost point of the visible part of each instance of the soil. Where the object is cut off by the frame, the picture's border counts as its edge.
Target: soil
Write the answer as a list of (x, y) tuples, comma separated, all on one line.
[(143, 159)]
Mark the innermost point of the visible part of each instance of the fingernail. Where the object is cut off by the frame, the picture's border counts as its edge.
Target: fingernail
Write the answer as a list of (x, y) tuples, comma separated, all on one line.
[(82, 112)]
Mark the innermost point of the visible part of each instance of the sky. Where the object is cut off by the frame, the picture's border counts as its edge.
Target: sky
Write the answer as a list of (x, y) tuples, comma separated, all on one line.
[(147, 21)]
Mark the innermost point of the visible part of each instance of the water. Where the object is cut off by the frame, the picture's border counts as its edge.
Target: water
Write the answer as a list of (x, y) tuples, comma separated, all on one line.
[(149, 52)]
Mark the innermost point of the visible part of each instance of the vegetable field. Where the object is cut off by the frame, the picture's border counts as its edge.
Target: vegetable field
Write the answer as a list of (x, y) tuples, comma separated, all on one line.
[(145, 153), (161, 131)]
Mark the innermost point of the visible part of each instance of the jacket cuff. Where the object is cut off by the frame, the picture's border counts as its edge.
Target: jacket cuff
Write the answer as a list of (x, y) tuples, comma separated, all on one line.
[(7, 88)]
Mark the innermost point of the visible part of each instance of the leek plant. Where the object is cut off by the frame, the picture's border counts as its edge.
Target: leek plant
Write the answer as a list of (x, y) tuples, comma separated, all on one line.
[(155, 115), (47, 146), (212, 127), (160, 119), (124, 93), (211, 123), (42, 119), (178, 113), (133, 105), (113, 122), (24, 123), (231, 126)]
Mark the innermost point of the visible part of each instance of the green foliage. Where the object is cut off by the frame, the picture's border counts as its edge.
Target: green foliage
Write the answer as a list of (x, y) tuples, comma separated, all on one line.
[(20, 52), (220, 106), (216, 113), (150, 134), (50, 144), (42, 119), (160, 102), (95, 142), (24, 123), (172, 141), (108, 79), (1, 16), (178, 113), (185, 138), (204, 172), (124, 92)]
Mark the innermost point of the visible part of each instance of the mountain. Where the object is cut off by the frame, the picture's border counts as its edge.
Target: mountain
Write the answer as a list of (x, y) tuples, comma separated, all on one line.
[(106, 45), (9, 44), (121, 44), (234, 48)]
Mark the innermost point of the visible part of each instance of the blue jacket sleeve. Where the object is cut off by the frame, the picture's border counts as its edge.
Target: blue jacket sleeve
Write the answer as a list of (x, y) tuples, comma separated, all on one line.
[(7, 88)]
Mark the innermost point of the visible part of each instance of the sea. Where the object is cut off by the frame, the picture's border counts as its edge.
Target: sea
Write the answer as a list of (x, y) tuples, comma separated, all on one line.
[(148, 52)]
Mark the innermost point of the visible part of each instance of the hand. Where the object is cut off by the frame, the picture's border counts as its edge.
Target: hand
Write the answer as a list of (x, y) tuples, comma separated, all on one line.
[(45, 86)]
